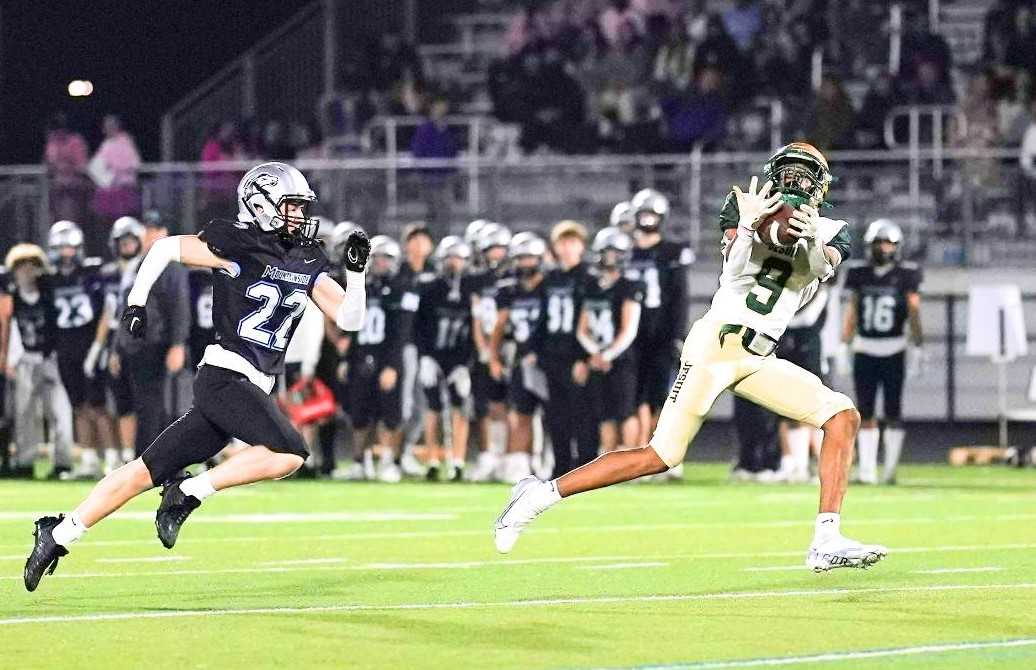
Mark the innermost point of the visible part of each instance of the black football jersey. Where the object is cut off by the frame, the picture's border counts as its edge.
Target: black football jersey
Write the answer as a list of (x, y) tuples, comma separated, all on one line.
[(563, 295), (79, 300), (662, 269), (882, 298), (443, 321), (526, 313), (37, 320), (387, 322), (603, 307), (255, 312), (203, 331)]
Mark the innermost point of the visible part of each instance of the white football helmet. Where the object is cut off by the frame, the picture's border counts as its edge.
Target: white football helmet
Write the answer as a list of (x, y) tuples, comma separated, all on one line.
[(615, 240), (649, 201), (265, 189), (452, 246), (65, 234), (622, 216), (883, 230), (383, 246), (123, 226)]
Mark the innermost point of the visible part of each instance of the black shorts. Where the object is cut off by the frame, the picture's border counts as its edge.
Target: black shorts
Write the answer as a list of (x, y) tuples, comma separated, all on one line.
[(366, 403), (122, 394), (522, 400), (656, 367), (887, 372), (612, 393), (226, 405), (81, 389), (485, 389), (802, 347), (458, 395)]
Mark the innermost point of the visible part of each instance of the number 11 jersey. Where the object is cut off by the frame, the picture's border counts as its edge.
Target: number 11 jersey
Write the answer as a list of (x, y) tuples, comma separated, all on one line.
[(256, 310)]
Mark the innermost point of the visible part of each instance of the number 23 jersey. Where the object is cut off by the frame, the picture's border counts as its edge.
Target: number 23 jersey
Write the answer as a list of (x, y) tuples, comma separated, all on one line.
[(255, 312), (774, 283), (881, 306)]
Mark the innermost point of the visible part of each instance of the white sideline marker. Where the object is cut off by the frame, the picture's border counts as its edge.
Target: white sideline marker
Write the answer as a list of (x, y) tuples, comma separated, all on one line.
[(836, 656), (552, 602)]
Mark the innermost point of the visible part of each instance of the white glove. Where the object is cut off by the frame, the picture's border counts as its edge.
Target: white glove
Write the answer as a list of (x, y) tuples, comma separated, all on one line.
[(460, 378), (428, 372), (914, 361), (90, 362), (803, 223), (754, 206), (843, 360)]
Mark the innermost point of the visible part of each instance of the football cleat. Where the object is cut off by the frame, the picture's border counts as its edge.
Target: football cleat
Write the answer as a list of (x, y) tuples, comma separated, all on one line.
[(841, 552), (353, 473), (485, 468), (519, 513), (43, 559), (173, 512)]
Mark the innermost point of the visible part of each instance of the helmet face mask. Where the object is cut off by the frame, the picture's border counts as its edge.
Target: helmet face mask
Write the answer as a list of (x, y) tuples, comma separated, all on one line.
[(276, 198), (65, 243), (452, 255), (124, 230), (649, 209), (612, 248), (799, 171), (526, 252), (883, 238)]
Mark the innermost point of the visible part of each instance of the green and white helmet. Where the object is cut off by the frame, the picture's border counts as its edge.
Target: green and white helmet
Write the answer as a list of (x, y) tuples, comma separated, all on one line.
[(800, 172)]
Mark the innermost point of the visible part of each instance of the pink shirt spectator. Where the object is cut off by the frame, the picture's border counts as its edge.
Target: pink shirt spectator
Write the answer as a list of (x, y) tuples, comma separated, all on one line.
[(66, 155), (120, 156), (220, 181)]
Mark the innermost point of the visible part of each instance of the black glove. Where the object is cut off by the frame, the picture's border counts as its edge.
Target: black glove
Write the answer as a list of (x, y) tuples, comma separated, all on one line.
[(134, 320), (357, 249)]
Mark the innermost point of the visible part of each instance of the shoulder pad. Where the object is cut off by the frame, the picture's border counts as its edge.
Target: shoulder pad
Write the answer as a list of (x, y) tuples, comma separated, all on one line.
[(93, 262)]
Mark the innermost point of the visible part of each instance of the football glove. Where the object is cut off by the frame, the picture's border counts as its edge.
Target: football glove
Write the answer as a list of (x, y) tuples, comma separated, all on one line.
[(803, 223), (756, 204), (134, 320), (357, 249)]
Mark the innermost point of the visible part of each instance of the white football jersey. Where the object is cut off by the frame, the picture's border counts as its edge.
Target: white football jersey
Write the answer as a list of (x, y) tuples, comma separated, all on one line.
[(765, 292)]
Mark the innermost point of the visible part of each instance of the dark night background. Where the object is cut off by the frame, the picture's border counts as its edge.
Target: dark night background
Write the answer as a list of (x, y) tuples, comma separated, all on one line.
[(142, 56)]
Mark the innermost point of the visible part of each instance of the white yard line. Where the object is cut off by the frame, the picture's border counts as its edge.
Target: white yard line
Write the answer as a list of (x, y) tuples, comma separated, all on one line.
[(144, 559), (307, 561), (624, 566), (775, 568), (547, 602), (283, 517), (841, 656), (954, 571)]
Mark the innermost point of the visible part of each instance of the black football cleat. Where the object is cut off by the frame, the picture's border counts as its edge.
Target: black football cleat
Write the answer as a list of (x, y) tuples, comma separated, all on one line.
[(45, 552), (173, 512)]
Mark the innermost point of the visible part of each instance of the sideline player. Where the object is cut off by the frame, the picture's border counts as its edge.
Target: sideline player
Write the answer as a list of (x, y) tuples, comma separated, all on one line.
[(268, 265), (884, 296), (761, 287)]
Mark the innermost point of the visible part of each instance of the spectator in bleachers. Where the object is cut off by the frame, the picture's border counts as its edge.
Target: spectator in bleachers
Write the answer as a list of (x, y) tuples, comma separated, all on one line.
[(742, 22), (673, 67), (927, 87), (393, 60), (1027, 177), (114, 170), (433, 139), (699, 117), (276, 141), (870, 122), (219, 186), (65, 156), (830, 122), (981, 132), (923, 49), (786, 54)]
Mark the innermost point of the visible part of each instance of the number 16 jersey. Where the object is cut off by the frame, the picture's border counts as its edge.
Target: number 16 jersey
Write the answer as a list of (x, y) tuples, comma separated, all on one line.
[(774, 283), (256, 311), (881, 306)]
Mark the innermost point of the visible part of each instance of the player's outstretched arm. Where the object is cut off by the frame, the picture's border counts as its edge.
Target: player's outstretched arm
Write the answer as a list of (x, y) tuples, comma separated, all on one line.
[(347, 306)]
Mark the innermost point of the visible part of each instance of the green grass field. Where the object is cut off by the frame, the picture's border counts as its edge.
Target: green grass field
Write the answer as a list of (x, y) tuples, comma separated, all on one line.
[(699, 575)]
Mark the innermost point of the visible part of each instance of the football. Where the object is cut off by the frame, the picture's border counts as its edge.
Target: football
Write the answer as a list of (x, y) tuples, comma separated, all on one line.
[(780, 218)]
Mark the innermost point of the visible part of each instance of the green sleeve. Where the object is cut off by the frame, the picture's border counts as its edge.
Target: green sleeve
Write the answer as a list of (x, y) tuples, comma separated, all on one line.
[(843, 242), (729, 216)]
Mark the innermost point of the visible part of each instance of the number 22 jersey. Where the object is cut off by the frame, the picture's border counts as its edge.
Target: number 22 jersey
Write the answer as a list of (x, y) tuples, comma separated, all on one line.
[(255, 312)]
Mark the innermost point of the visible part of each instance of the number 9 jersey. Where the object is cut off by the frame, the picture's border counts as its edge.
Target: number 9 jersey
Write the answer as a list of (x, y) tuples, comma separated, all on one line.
[(776, 281), (256, 311)]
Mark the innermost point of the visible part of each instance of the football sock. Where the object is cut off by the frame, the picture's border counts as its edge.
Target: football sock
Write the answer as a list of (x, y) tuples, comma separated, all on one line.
[(546, 494), (867, 453), (200, 487), (69, 531), (497, 437), (893, 448), (798, 445), (827, 527)]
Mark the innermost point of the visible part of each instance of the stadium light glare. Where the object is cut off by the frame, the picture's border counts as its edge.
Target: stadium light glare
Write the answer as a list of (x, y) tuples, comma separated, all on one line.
[(80, 88)]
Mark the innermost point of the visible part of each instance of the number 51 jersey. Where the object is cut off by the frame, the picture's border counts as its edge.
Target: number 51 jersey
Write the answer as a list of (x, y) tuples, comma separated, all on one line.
[(775, 282), (256, 311)]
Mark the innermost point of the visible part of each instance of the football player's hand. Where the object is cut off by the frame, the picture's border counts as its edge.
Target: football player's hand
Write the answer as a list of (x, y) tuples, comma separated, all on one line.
[(803, 223), (756, 204), (342, 371), (114, 364), (597, 362), (357, 249), (914, 361), (134, 320), (387, 379), (175, 358), (496, 368), (580, 373), (530, 359), (90, 362)]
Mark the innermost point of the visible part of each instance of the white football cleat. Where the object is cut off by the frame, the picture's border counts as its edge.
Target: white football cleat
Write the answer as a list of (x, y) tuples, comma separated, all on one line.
[(486, 467), (841, 552), (519, 513), (355, 472), (674, 473)]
